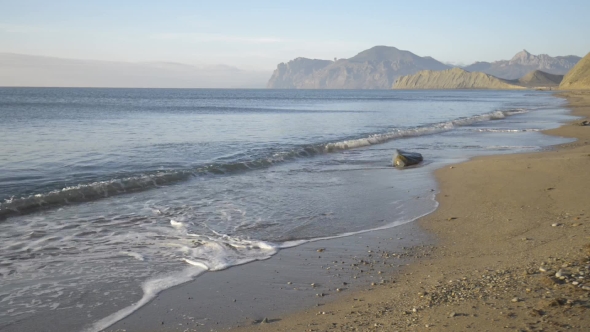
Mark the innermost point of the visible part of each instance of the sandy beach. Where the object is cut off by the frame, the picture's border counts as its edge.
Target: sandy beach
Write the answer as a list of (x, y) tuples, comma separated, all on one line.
[(279, 166), (506, 249), (513, 251)]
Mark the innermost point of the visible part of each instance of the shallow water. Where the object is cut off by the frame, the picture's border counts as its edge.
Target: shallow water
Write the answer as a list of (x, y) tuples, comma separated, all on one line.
[(137, 190)]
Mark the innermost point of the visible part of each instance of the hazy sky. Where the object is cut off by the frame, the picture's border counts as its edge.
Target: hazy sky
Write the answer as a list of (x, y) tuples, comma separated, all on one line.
[(260, 34)]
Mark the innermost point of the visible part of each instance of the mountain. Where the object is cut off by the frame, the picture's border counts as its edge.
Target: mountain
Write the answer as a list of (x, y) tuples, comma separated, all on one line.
[(296, 73), (523, 63), (539, 79), (579, 76), (375, 68), (455, 78), (41, 71)]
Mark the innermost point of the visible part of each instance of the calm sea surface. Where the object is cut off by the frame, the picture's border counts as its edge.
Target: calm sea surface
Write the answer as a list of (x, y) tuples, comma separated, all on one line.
[(138, 190)]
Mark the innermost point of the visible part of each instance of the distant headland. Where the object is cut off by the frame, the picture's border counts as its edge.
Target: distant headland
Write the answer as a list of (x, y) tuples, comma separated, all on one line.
[(380, 67)]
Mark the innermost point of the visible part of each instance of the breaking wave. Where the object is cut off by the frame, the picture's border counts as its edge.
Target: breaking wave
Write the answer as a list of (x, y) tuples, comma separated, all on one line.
[(102, 189)]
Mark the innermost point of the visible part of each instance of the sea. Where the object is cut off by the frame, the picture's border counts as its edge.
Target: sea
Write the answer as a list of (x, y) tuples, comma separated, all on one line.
[(115, 195)]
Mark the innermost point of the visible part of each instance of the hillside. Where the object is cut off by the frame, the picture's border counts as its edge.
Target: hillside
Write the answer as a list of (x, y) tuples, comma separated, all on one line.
[(539, 78), (375, 68), (524, 62), (455, 78), (579, 76)]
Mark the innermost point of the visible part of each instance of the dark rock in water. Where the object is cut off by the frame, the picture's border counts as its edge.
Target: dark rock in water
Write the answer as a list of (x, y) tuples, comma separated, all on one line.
[(403, 159)]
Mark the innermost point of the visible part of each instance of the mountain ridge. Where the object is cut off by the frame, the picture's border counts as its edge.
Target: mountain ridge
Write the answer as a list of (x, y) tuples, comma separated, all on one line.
[(538, 79), (374, 68), (523, 63), (380, 66), (454, 78)]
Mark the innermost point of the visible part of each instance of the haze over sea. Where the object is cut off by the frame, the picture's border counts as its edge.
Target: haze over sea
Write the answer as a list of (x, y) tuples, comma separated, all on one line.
[(109, 196)]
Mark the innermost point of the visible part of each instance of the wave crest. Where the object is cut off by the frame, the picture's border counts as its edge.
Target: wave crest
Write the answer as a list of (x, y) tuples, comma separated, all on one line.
[(103, 189)]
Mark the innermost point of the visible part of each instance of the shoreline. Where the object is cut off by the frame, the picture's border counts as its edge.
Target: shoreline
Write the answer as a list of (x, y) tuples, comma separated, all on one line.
[(513, 232), (308, 275), (282, 298)]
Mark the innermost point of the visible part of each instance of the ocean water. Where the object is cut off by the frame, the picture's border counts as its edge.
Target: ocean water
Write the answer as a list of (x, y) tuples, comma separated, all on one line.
[(109, 196)]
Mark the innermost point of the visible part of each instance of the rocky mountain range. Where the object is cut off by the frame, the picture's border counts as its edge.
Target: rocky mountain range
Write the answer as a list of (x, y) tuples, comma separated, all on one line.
[(375, 68), (379, 68), (524, 62)]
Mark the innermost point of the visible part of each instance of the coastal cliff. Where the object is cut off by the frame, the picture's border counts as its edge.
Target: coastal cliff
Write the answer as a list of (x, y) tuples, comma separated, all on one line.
[(296, 73), (375, 68)]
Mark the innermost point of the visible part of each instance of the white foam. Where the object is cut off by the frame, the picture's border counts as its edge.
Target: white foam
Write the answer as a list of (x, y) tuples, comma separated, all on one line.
[(151, 288), (197, 264), (176, 224), (135, 255), (221, 253), (419, 131), (494, 130)]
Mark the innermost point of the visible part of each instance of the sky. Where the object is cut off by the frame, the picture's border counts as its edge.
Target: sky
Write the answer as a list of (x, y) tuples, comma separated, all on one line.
[(257, 35)]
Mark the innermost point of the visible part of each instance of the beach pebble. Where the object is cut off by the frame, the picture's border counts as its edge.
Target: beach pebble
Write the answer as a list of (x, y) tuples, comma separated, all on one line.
[(542, 269), (452, 314), (516, 299), (555, 225)]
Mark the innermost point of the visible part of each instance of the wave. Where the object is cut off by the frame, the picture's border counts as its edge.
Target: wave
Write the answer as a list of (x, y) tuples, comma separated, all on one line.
[(102, 189), (223, 252), (495, 130)]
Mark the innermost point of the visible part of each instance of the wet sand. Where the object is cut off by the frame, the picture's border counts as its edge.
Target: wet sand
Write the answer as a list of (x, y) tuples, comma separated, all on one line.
[(306, 276), (513, 251), (485, 260)]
